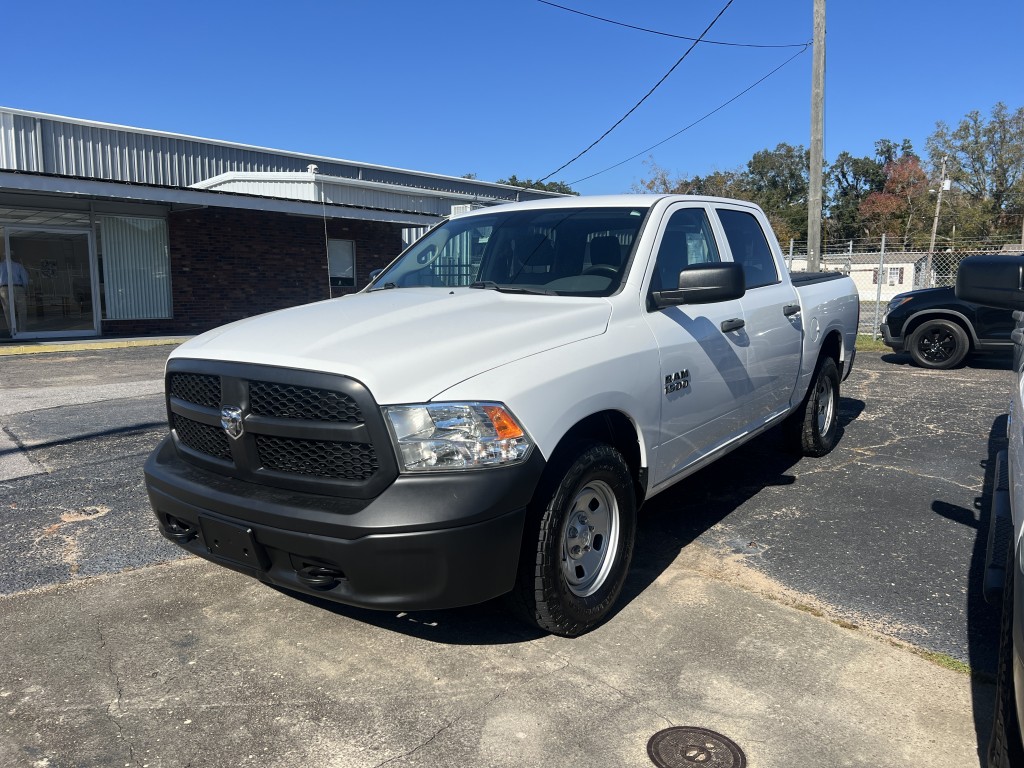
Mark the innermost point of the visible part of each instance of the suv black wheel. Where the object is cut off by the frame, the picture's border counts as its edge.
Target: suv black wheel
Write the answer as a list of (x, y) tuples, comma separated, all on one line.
[(938, 344)]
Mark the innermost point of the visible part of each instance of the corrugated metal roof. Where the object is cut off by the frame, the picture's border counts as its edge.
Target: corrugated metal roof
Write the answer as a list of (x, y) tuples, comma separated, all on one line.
[(50, 144)]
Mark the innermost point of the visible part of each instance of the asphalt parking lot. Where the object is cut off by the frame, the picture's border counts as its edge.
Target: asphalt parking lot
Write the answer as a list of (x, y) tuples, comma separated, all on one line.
[(784, 604)]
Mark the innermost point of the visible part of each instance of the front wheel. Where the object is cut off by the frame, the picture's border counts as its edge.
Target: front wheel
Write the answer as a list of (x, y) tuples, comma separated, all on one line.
[(577, 550), (938, 344)]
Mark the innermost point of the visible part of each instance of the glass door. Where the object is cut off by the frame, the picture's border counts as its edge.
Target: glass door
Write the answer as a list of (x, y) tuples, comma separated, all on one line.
[(50, 283)]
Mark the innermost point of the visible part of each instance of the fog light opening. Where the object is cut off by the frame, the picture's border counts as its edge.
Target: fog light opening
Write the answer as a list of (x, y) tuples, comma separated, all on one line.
[(178, 529), (320, 577)]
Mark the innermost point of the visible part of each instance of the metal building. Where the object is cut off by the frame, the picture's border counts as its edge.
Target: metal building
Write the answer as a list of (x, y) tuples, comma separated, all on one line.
[(111, 230)]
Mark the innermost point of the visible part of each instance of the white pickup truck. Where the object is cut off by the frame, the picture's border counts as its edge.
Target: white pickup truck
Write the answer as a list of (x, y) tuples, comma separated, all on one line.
[(487, 416)]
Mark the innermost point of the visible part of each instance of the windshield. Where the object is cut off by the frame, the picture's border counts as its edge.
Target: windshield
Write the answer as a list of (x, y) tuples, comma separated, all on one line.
[(563, 251)]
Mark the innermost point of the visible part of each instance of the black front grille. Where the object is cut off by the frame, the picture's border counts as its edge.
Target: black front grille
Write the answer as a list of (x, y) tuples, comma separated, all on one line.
[(317, 458), (300, 430), (203, 438), (199, 389), (286, 401)]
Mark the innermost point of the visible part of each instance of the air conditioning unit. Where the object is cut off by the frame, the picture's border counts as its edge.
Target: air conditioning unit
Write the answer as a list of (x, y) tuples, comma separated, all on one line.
[(458, 210)]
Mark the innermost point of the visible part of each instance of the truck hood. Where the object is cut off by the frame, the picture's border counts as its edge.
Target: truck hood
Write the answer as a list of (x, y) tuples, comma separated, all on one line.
[(408, 344)]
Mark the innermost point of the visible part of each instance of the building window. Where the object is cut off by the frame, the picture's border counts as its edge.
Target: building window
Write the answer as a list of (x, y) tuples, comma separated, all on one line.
[(134, 268), (341, 263), (895, 276)]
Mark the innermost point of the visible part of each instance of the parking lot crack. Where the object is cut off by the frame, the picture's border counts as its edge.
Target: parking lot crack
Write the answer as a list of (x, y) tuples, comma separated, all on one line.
[(115, 709), (437, 733), (433, 737), (627, 696)]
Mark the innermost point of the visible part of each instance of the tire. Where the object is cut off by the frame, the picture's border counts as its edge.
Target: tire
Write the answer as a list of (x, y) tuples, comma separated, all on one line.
[(816, 424), (578, 543), (1004, 746), (938, 344)]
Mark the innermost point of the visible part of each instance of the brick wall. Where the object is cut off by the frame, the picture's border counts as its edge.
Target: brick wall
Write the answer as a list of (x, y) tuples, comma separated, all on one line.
[(229, 264)]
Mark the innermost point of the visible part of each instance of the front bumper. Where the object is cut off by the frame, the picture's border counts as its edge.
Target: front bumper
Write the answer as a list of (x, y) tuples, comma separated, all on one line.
[(426, 542), (890, 340)]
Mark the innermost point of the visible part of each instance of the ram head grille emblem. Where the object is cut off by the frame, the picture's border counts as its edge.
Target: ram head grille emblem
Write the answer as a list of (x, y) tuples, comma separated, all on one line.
[(231, 420)]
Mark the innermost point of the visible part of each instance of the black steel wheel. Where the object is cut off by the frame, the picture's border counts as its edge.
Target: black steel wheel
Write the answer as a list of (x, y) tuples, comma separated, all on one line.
[(938, 344), (579, 542)]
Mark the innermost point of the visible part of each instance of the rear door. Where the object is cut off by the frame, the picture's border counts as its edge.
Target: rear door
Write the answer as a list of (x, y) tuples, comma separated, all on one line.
[(774, 329), (704, 375)]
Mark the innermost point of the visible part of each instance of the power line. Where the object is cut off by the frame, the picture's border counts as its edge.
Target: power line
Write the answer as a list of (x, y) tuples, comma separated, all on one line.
[(645, 97), (697, 121), (665, 34)]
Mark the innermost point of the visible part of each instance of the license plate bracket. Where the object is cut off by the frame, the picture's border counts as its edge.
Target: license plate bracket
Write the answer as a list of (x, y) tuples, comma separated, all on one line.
[(233, 542)]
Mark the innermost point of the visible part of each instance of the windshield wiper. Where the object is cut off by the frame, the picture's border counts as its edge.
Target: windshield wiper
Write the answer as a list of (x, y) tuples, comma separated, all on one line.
[(490, 285), (384, 287)]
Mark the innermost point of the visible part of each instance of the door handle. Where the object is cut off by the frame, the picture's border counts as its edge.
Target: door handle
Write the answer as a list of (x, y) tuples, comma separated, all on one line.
[(791, 309), (732, 325)]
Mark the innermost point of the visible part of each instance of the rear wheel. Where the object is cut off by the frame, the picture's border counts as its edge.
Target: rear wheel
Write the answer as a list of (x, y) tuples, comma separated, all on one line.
[(577, 550), (814, 428), (938, 344)]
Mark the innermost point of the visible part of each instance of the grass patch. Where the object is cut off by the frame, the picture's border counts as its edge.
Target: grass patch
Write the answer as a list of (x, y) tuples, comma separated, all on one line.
[(943, 660), (809, 609), (866, 344)]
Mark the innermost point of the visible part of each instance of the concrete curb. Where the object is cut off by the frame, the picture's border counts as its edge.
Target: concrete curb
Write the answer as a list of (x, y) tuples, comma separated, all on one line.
[(44, 347)]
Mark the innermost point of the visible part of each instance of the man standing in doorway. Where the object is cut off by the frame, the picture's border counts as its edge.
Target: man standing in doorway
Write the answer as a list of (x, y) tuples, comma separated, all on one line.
[(13, 280)]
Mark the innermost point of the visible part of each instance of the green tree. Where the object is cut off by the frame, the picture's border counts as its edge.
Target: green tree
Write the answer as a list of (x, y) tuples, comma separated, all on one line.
[(849, 181), (778, 180), (716, 184), (547, 186), (985, 160)]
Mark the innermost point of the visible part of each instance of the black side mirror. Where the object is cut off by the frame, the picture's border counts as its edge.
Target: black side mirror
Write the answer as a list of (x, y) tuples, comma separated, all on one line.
[(995, 281), (703, 284)]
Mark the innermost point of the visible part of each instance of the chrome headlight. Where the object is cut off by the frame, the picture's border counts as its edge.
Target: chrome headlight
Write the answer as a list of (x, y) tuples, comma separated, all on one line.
[(447, 436)]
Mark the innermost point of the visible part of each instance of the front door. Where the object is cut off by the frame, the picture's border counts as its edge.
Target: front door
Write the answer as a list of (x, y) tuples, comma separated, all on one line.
[(49, 283), (703, 350)]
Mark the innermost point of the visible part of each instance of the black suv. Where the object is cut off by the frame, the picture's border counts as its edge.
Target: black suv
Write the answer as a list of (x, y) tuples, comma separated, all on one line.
[(938, 329)]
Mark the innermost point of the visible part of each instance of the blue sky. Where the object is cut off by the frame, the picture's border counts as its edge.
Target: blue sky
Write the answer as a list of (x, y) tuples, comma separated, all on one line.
[(500, 87)]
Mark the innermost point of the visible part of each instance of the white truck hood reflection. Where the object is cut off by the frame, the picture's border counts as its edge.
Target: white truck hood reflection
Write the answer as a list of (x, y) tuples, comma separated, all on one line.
[(407, 344)]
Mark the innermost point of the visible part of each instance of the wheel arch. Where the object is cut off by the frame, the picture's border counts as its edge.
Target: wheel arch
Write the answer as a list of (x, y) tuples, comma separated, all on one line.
[(918, 319), (832, 346), (615, 429)]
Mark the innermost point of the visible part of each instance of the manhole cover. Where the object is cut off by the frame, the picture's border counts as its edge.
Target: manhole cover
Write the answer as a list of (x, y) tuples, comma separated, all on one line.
[(686, 747)]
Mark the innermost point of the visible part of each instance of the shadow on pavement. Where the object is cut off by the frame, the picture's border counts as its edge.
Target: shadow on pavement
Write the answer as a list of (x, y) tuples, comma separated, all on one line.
[(666, 525), (989, 361), (982, 618)]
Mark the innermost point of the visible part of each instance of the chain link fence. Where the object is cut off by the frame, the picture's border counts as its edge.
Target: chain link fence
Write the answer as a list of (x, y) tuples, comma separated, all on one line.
[(881, 273)]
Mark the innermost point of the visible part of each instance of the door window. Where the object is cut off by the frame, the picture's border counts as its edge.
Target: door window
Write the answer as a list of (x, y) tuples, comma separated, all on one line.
[(686, 242), (749, 247)]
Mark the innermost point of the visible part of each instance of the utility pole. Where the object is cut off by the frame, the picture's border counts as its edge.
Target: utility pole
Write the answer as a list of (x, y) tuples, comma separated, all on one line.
[(817, 140), (935, 225)]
